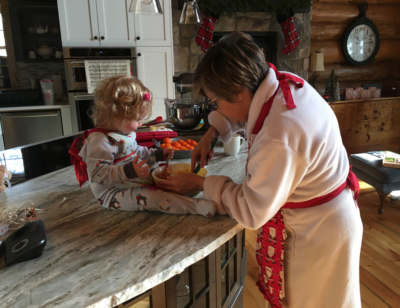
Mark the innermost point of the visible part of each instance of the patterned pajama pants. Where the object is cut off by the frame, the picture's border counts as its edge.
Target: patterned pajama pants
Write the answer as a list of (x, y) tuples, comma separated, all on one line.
[(147, 199)]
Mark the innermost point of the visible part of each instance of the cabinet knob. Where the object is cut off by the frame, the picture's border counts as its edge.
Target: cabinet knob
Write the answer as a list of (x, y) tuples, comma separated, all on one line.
[(95, 38), (139, 54), (138, 38), (102, 37)]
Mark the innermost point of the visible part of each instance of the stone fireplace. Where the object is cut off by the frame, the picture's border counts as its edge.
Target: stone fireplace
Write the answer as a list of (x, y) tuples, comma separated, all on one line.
[(187, 54)]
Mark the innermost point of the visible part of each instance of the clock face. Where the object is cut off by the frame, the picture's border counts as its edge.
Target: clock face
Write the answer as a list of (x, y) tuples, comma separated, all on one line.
[(361, 43)]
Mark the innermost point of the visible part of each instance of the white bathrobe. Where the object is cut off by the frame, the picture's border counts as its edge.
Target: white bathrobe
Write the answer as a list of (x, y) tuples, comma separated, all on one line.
[(298, 155)]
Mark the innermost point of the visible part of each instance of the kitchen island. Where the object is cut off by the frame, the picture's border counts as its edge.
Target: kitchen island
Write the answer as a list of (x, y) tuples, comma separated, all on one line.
[(100, 258)]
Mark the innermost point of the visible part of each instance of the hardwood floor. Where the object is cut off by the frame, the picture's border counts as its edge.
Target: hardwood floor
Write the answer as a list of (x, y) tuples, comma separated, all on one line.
[(379, 261)]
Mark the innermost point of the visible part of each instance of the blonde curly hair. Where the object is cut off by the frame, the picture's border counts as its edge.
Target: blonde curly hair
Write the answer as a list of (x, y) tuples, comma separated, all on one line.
[(122, 97)]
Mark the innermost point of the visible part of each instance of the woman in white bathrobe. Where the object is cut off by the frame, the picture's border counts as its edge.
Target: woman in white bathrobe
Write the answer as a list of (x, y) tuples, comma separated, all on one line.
[(297, 156)]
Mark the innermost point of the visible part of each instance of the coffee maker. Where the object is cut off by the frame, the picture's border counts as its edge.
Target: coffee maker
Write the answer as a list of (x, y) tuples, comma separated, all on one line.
[(186, 112)]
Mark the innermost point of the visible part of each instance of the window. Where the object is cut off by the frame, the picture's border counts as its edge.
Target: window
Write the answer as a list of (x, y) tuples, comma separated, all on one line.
[(3, 51)]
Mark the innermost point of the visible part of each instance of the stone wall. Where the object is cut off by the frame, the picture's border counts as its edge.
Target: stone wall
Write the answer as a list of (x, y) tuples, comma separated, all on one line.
[(187, 54)]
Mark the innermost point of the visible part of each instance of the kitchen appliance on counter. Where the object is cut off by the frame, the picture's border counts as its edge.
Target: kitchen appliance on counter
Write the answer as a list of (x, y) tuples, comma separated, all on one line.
[(20, 98), (25, 244), (80, 100), (186, 113)]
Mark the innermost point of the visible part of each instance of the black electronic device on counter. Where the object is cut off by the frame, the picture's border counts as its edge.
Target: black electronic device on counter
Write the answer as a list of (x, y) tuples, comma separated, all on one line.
[(25, 244), (21, 98)]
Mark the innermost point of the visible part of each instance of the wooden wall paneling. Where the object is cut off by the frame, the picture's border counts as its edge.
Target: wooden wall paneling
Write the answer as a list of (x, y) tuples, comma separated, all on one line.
[(11, 63), (353, 1), (343, 84), (371, 72), (346, 13), (335, 30), (388, 51)]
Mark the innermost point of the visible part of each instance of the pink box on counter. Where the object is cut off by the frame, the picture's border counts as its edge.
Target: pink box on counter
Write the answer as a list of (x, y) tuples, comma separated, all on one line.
[(349, 94)]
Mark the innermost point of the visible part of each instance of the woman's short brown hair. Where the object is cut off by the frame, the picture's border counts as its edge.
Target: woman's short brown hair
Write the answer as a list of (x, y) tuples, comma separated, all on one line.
[(120, 97), (235, 62)]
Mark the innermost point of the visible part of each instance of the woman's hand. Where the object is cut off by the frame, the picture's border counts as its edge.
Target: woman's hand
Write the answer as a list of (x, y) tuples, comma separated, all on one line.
[(141, 171), (168, 153), (182, 183), (199, 153)]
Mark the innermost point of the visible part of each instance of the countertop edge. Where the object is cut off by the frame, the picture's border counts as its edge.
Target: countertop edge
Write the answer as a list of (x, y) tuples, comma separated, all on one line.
[(30, 108), (177, 268)]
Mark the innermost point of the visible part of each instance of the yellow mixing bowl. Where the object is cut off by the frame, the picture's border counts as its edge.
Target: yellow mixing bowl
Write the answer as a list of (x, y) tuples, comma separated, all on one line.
[(176, 169)]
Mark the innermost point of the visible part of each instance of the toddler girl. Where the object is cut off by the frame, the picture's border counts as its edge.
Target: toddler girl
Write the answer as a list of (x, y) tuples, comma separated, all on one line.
[(117, 167)]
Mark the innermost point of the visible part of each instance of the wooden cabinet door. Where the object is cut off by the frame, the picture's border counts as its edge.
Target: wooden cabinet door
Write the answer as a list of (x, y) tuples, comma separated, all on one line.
[(340, 112), (396, 119), (229, 262), (381, 113), (361, 127), (363, 114), (378, 126), (154, 67), (116, 24), (78, 23), (154, 30)]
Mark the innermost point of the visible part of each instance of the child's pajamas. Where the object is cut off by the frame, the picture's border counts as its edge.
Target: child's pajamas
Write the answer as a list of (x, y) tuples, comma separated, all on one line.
[(116, 186)]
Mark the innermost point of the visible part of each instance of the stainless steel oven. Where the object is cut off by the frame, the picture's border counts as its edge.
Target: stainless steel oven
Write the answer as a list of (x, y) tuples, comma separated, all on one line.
[(79, 100), (80, 106)]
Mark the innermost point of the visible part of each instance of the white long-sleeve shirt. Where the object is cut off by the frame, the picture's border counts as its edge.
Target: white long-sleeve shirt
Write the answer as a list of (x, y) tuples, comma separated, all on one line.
[(298, 155)]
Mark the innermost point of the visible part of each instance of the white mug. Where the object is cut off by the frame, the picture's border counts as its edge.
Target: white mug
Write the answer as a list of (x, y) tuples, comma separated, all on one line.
[(58, 54), (232, 147)]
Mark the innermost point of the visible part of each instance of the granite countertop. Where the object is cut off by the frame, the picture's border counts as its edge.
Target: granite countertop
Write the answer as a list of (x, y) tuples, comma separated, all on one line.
[(100, 258), (33, 108)]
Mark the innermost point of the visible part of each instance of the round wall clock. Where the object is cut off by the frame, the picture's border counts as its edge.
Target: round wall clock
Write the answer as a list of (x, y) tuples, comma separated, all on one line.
[(360, 42)]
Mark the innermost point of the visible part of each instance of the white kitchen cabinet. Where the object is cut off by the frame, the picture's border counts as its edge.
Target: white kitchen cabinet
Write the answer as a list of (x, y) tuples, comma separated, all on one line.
[(154, 67), (95, 23), (116, 24), (154, 30), (78, 23)]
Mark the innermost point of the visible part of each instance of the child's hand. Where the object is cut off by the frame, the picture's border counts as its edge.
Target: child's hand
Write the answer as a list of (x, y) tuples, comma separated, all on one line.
[(168, 153), (142, 172)]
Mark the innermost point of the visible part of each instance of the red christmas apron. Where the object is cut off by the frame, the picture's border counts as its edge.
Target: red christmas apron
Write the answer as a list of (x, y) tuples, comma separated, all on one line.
[(271, 237)]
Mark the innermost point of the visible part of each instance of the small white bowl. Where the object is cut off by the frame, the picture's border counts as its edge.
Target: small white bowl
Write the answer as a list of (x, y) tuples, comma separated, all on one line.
[(181, 168)]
